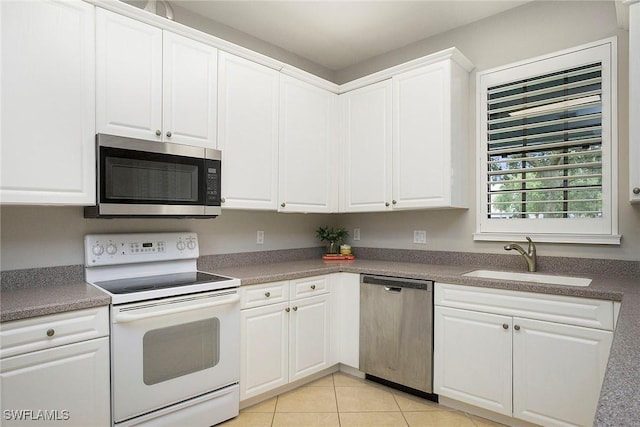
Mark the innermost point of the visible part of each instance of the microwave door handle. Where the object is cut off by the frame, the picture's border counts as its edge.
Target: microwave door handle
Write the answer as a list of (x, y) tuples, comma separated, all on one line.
[(132, 317)]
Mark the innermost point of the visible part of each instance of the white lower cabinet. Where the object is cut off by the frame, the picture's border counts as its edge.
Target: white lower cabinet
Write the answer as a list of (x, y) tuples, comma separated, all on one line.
[(285, 333), (264, 349), (540, 371), (59, 383), (346, 318)]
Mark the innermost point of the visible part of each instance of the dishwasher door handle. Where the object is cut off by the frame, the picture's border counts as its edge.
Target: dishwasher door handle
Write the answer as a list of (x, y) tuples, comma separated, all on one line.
[(392, 289)]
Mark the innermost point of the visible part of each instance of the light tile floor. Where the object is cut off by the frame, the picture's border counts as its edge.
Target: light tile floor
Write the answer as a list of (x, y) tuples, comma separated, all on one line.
[(343, 400)]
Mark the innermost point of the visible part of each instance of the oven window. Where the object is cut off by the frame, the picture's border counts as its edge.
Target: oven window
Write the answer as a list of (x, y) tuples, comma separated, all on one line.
[(179, 350)]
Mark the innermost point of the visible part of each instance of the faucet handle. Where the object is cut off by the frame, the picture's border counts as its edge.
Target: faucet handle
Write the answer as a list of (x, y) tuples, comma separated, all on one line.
[(532, 246)]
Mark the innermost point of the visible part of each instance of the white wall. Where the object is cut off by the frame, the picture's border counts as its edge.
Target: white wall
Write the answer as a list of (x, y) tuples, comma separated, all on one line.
[(53, 236)]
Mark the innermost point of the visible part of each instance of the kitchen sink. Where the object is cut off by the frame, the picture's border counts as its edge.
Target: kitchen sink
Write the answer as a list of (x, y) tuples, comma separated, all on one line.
[(530, 277)]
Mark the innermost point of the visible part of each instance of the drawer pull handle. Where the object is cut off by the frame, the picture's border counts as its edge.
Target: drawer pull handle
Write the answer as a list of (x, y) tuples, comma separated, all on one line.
[(516, 327), (287, 309), (313, 286), (505, 326), (295, 308), (267, 294), (50, 332)]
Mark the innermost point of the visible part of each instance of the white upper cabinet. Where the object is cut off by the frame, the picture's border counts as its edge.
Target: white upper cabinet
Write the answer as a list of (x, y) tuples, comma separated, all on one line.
[(152, 84), (308, 167), (429, 137), (634, 102), (248, 95), (366, 182), (128, 77), (47, 88), (190, 76)]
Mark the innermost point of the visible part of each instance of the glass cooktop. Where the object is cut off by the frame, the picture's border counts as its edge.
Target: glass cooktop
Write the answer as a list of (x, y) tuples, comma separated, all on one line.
[(150, 283)]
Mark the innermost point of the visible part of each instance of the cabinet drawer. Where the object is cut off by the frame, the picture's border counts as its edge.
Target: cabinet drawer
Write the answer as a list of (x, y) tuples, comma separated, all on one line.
[(38, 333), (309, 286), (588, 312), (259, 295)]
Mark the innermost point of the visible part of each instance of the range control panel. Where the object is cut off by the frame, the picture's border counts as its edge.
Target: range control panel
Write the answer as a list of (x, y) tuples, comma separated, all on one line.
[(111, 249)]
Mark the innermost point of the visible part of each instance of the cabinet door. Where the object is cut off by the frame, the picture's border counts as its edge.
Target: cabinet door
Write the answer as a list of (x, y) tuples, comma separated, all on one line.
[(248, 133), (189, 96), (472, 358), (557, 372), (634, 102), (68, 385), (128, 77), (345, 292), (421, 137), (47, 87), (367, 156), (264, 349), (308, 167), (310, 336)]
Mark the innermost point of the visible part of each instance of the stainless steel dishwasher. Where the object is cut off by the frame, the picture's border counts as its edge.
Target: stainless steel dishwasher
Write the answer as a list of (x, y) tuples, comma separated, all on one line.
[(396, 331)]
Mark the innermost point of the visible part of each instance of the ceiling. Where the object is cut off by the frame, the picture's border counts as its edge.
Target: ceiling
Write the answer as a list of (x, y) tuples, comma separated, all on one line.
[(339, 34)]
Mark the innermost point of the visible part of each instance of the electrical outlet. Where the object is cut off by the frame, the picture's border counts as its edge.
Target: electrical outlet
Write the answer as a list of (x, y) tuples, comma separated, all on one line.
[(356, 234), (260, 237), (420, 237)]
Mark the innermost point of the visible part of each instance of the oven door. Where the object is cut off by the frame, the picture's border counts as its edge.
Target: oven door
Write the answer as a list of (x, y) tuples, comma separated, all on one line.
[(169, 350)]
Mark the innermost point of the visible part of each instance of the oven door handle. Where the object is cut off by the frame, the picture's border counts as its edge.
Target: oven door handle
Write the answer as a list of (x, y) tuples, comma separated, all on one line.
[(131, 317)]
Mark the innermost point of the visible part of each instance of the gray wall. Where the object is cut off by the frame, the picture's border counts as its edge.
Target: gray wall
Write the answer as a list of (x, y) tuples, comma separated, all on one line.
[(50, 236), (53, 236)]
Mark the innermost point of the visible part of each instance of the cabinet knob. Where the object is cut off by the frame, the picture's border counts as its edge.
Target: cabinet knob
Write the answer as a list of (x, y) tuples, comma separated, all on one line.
[(516, 327), (222, 200), (313, 286), (636, 190), (295, 308), (505, 326), (169, 134), (394, 202), (267, 294), (283, 204), (158, 133), (50, 332), (287, 309), (386, 204)]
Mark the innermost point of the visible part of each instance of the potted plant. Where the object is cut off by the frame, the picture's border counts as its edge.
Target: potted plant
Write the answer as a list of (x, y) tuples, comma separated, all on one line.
[(333, 236)]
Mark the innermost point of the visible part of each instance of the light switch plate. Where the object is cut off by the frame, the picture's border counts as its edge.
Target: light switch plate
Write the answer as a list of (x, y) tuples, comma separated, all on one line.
[(356, 234), (260, 237)]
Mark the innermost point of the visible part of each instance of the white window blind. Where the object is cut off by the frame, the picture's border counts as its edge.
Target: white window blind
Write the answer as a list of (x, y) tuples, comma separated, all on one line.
[(547, 148), (544, 154)]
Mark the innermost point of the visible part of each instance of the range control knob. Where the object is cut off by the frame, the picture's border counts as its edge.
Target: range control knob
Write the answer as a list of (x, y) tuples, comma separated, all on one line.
[(111, 249), (191, 244), (180, 245), (97, 249)]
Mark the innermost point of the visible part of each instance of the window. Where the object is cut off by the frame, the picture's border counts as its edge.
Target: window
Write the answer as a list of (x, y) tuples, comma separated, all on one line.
[(547, 148)]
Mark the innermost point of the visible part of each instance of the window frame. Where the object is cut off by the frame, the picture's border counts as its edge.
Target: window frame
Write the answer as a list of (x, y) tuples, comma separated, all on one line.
[(574, 230)]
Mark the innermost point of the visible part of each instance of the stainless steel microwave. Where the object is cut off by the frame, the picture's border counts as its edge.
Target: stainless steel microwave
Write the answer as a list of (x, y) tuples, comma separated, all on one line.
[(138, 178)]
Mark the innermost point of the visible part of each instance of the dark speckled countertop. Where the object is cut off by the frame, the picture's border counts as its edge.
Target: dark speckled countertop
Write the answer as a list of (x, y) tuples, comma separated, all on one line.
[(32, 301), (620, 395)]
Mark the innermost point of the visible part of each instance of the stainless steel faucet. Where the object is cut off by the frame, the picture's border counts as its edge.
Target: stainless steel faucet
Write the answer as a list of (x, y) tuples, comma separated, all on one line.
[(529, 255)]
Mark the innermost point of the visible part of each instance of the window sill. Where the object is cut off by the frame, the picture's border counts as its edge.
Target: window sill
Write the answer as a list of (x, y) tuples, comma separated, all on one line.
[(584, 239)]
